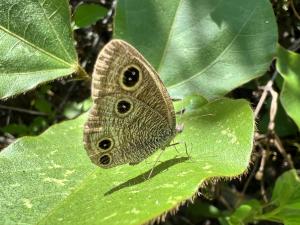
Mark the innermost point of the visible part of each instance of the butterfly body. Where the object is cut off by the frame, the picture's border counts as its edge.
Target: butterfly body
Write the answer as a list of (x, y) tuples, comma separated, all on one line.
[(132, 114)]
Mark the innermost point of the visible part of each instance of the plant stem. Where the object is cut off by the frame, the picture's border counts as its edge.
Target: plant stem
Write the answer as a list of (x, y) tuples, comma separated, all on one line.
[(82, 74)]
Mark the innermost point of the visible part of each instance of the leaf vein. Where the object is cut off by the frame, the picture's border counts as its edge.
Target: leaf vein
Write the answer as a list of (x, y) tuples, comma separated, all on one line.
[(54, 31), (219, 56), (34, 46)]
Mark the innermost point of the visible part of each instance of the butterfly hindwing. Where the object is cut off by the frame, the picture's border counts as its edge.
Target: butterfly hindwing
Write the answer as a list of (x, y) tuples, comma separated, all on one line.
[(132, 114)]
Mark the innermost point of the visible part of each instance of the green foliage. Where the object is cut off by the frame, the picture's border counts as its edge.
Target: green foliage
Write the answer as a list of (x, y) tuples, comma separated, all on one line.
[(207, 47), (283, 208), (288, 65), (16, 129), (286, 197), (36, 44), (88, 14), (202, 48), (49, 179), (74, 109), (245, 213), (42, 105)]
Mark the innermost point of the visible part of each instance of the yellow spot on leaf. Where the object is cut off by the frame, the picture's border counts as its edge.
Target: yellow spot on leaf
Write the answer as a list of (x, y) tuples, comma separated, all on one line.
[(27, 203), (231, 135), (69, 172), (60, 182), (207, 166), (135, 211)]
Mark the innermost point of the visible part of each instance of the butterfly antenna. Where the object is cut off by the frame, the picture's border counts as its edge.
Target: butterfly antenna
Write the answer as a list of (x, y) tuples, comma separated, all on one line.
[(186, 150)]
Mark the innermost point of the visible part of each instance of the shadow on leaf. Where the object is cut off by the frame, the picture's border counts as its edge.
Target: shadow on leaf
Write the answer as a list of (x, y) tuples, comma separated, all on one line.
[(144, 177)]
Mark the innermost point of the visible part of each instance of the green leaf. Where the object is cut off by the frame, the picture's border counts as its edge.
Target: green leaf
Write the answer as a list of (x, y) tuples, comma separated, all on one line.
[(36, 44), (15, 129), (88, 14), (73, 109), (207, 47), (201, 209), (39, 123), (287, 189), (43, 105), (45, 180), (286, 198), (283, 208), (189, 103), (245, 213), (288, 65)]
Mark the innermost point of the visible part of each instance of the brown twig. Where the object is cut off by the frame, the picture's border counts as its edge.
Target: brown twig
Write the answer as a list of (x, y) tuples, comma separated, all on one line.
[(250, 177), (264, 95), (8, 116), (32, 112), (225, 203), (264, 156), (265, 152), (66, 97), (263, 191), (294, 9), (278, 144), (271, 127), (260, 173), (295, 46), (273, 109)]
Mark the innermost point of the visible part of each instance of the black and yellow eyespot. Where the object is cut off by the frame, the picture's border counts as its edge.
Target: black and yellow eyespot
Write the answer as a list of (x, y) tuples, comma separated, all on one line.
[(123, 107), (105, 144), (130, 78), (105, 160)]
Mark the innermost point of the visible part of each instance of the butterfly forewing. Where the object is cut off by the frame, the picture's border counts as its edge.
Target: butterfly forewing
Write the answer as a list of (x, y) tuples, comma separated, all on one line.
[(132, 114)]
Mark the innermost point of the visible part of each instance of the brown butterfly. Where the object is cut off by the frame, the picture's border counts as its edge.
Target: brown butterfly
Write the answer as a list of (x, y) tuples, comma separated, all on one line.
[(132, 114)]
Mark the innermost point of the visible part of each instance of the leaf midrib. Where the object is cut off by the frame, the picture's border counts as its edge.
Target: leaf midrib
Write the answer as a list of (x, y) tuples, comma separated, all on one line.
[(170, 35), (214, 61), (54, 31), (36, 47), (168, 39), (33, 72)]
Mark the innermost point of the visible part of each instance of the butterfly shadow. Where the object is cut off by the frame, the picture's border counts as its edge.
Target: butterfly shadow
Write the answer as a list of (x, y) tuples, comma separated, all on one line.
[(145, 176)]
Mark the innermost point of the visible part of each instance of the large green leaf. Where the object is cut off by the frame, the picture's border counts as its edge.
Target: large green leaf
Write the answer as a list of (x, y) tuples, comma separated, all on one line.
[(49, 179), (288, 65), (88, 14), (36, 44), (286, 198), (245, 213), (283, 208), (205, 46)]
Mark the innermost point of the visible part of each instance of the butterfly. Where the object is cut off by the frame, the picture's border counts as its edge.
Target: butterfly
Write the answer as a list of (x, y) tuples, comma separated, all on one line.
[(132, 115)]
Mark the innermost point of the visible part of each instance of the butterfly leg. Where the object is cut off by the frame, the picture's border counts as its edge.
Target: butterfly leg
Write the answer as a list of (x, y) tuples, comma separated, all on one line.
[(186, 148), (174, 144), (156, 161)]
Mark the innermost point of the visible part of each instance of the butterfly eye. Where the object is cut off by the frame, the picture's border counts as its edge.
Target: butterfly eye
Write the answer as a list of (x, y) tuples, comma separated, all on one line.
[(105, 160), (123, 107), (130, 78), (105, 144)]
